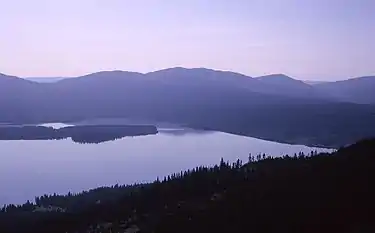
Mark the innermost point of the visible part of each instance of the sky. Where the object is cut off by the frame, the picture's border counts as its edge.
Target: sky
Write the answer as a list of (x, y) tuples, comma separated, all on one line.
[(306, 39)]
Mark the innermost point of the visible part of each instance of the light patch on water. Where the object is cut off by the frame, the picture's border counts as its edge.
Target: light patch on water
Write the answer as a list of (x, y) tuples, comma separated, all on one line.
[(55, 125)]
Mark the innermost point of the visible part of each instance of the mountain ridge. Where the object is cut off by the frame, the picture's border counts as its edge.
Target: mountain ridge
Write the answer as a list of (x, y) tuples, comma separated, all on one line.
[(355, 90), (264, 77), (290, 111)]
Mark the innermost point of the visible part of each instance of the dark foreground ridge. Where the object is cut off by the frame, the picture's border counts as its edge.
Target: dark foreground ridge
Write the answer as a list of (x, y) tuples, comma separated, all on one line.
[(79, 134), (299, 193)]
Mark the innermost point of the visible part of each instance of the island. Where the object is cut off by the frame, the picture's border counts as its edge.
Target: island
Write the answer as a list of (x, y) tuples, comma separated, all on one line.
[(79, 134)]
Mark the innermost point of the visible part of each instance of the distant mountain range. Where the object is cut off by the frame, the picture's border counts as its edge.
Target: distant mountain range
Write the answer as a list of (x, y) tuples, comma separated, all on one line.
[(274, 107), (356, 90)]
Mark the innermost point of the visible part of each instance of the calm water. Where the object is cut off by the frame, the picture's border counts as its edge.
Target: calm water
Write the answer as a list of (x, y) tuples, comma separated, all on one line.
[(34, 168)]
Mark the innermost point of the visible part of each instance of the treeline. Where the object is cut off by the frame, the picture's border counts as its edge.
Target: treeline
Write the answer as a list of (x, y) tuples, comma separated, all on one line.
[(79, 134), (322, 125), (74, 202), (300, 193)]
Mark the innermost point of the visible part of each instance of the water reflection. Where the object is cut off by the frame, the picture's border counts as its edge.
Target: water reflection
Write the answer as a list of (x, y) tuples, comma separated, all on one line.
[(33, 168), (183, 131), (55, 125)]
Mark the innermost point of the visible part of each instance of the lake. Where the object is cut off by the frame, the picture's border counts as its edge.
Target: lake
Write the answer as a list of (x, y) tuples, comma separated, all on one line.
[(34, 168)]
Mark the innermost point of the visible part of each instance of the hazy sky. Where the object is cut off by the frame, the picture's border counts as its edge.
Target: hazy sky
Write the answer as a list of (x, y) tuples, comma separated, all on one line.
[(307, 39)]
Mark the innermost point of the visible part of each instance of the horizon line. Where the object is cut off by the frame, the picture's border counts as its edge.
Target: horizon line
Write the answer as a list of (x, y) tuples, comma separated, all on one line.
[(186, 68)]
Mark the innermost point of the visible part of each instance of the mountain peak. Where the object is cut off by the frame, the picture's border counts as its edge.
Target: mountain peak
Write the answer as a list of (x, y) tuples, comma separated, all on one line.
[(113, 72), (4, 75), (200, 72), (182, 69), (276, 76), (287, 84), (280, 79), (363, 78), (8, 76)]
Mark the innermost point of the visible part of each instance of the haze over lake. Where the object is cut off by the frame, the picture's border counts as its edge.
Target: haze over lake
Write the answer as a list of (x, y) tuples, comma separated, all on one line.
[(34, 168)]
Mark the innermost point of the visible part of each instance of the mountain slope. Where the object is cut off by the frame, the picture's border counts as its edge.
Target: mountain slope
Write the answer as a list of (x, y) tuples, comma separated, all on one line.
[(284, 81), (45, 79), (172, 93), (285, 85), (314, 82), (18, 98), (277, 84), (204, 78), (356, 90), (175, 94), (275, 107)]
